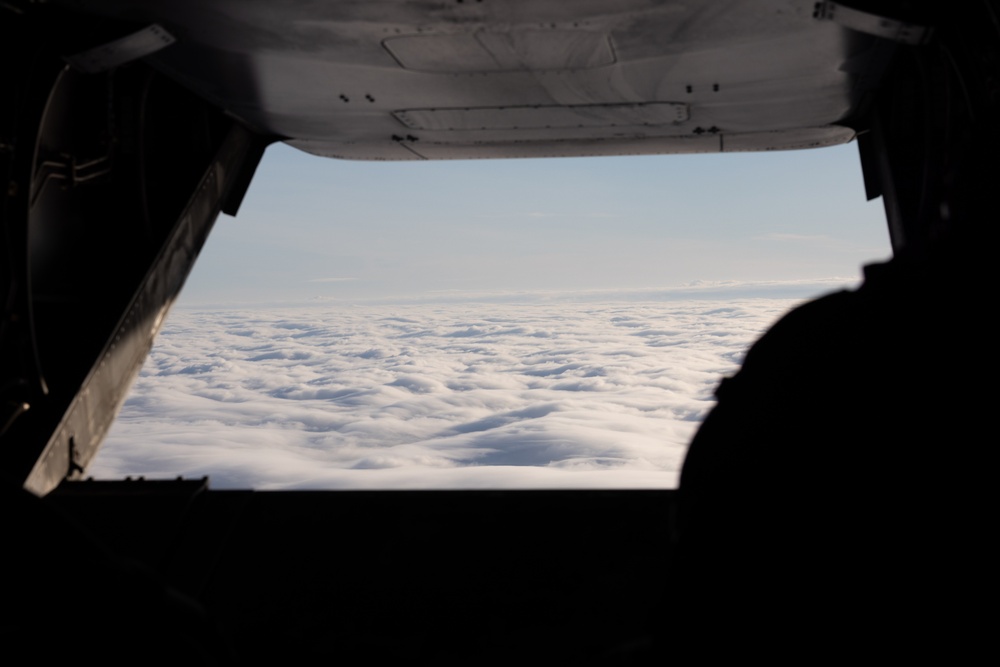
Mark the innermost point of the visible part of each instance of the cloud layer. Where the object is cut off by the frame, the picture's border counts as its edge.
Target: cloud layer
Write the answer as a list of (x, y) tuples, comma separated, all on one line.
[(448, 395)]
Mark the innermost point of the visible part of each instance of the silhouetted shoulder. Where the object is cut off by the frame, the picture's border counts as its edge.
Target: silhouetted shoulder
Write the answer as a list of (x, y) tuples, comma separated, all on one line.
[(852, 426)]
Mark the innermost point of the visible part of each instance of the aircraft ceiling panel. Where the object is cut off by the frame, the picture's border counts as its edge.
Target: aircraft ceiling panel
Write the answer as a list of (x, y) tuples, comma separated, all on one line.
[(544, 117), (567, 148), (810, 137), (516, 50), (499, 78), (707, 142)]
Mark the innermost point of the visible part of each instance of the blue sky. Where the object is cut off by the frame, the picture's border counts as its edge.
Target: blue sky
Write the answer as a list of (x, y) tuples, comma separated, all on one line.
[(314, 228)]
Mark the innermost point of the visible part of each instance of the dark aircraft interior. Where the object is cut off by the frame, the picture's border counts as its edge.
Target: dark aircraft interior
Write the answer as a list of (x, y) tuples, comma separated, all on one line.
[(127, 128)]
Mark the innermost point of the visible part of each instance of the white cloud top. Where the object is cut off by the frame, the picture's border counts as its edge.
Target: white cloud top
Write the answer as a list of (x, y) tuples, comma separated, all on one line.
[(448, 395)]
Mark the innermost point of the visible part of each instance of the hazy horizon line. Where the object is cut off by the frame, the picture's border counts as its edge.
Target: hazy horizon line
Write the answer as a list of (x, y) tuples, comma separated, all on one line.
[(698, 289)]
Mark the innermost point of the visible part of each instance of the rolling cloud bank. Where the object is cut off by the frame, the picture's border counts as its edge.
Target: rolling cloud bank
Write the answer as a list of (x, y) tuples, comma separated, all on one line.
[(448, 395)]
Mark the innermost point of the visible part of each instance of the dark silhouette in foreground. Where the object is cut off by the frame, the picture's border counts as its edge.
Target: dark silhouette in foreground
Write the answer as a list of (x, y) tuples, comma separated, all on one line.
[(838, 499), (837, 495), (74, 595)]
